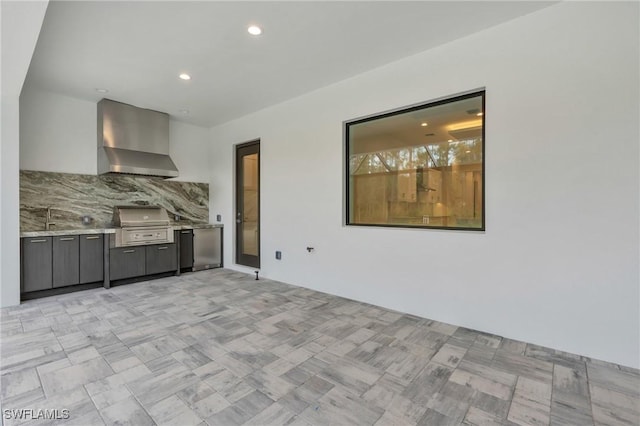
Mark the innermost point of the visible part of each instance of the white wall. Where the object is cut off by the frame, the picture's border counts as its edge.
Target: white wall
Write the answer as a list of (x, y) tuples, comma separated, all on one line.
[(20, 24), (558, 263), (58, 134), (189, 148), (9, 205)]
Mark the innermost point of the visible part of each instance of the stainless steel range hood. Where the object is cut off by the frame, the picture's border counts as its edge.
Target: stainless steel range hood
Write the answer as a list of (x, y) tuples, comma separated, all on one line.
[(133, 140)]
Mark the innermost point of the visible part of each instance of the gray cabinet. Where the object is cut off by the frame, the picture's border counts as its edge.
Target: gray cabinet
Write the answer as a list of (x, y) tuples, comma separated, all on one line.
[(130, 262), (126, 262), (37, 264), (186, 249), (61, 261), (91, 258), (161, 258), (66, 260)]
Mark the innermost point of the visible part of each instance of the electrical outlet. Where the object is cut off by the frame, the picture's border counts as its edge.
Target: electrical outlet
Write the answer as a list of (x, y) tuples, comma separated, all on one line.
[(219, 217), (278, 255)]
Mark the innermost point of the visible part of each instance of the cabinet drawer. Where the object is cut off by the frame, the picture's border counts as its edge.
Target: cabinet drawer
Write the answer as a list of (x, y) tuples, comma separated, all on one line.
[(126, 262)]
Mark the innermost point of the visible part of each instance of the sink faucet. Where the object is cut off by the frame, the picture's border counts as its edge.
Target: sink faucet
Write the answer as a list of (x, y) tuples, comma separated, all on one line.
[(48, 223)]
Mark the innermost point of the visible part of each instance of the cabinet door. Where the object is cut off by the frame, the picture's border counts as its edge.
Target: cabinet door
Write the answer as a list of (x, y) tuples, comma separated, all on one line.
[(36, 264), (161, 258), (91, 258), (66, 260), (126, 262), (186, 249)]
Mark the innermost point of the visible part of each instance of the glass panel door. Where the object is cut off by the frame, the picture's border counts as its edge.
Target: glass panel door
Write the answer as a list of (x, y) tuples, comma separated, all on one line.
[(248, 204)]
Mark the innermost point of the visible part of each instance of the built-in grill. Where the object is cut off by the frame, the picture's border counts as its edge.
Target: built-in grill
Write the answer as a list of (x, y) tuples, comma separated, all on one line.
[(141, 225)]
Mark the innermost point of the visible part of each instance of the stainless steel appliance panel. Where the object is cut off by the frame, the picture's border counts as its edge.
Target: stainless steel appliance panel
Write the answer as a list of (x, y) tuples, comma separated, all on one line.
[(207, 248), (141, 236), (141, 225), (130, 216)]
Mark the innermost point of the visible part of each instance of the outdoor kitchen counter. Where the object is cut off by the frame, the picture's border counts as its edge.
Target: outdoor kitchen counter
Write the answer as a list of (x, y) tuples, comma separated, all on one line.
[(53, 233), (196, 226)]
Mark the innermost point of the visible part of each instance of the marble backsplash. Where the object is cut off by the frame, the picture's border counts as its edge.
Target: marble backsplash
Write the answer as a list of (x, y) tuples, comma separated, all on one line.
[(72, 196)]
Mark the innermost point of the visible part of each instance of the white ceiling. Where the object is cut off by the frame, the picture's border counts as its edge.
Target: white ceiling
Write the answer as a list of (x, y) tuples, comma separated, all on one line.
[(137, 49)]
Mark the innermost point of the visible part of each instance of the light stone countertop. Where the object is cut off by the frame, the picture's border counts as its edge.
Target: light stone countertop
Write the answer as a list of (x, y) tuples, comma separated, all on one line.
[(196, 226), (57, 232)]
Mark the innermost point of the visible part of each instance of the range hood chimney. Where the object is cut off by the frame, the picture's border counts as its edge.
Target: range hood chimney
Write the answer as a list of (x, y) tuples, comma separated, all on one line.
[(133, 140)]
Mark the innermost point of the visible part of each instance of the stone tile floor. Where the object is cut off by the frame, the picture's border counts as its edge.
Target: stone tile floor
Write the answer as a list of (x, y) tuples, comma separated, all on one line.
[(219, 348)]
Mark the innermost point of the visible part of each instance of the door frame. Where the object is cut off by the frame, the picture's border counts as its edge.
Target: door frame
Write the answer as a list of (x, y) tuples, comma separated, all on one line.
[(246, 148)]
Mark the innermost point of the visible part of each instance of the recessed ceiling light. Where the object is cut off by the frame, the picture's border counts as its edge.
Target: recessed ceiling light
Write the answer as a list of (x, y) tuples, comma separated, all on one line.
[(480, 114), (102, 90), (424, 124), (465, 125), (185, 76), (450, 140), (468, 151), (183, 111), (254, 30)]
